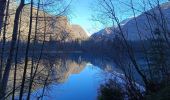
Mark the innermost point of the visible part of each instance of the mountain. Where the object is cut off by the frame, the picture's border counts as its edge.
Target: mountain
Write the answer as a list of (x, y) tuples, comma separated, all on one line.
[(61, 29), (80, 32), (104, 34), (57, 27), (145, 24)]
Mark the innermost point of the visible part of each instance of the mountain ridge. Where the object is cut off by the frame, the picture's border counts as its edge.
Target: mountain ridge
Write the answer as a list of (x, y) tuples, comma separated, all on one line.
[(56, 26), (143, 24)]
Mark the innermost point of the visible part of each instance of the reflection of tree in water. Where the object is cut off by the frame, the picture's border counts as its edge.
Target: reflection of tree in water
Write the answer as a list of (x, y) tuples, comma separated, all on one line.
[(53, 70)]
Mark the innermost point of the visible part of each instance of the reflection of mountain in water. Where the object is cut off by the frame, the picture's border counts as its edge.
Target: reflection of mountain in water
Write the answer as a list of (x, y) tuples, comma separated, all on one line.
[(64, 66), (58, 67)]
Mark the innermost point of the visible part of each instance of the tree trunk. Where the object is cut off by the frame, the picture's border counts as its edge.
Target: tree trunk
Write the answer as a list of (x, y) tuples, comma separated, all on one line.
[(12, 49), (26, 54), (2, 10), (4, 40), (16, 58), (35, 37)]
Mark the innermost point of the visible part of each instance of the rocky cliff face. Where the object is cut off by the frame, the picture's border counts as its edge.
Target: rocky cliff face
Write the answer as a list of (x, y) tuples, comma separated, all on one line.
[(57, 27), (80, 33), (64, 31)]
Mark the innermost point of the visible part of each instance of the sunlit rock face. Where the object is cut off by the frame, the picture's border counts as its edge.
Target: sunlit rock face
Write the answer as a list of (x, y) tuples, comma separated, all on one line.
[(142, 26), (64, 31), (53, 27), (81, 34)]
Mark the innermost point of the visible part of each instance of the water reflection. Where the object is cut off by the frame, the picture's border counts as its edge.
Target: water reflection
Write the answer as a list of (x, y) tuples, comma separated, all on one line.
[(64, 77), (80, 86)]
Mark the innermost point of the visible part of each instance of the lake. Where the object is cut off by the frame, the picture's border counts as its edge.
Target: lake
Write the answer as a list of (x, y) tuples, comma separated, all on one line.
[(69, 77), (78, 86)]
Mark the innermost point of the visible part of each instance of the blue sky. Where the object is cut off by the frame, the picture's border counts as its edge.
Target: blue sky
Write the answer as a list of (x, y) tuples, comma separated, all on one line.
[(82, 14)]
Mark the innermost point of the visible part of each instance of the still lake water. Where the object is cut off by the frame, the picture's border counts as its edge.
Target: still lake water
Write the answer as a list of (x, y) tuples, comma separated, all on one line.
[(72, 77), (79, 86)]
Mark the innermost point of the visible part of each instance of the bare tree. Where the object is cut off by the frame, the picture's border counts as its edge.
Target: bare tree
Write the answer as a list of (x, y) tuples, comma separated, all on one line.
[(16, 59), (16, 40), (27, 51), (12, 47), (2, 10), (4, 38), (32, 75), (109, 8)]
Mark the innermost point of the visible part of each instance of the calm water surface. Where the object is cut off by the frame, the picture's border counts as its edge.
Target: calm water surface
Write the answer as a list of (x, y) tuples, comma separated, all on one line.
[(70, 77), (74, 77), (79, 86)]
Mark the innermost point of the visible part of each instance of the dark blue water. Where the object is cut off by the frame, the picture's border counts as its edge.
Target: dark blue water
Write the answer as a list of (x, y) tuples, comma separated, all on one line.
[(72, 77), (79, 86)]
